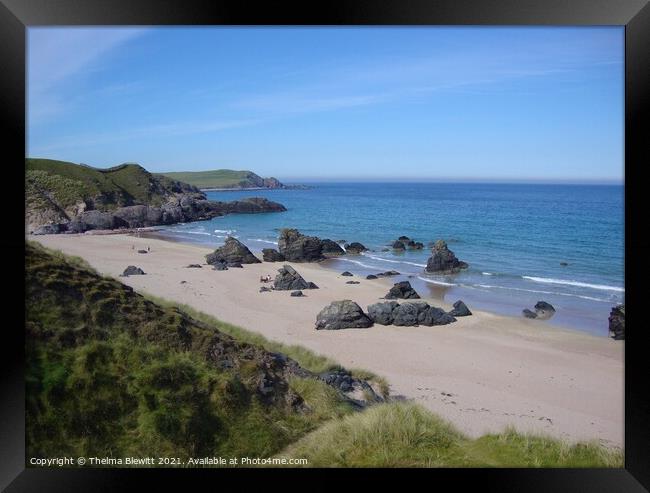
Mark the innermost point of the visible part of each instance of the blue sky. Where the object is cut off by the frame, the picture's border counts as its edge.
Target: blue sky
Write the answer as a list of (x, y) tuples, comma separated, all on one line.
[(457, 103)]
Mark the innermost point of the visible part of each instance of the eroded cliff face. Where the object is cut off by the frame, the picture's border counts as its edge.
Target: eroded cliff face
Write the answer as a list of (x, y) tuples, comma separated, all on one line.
[(65, 197)]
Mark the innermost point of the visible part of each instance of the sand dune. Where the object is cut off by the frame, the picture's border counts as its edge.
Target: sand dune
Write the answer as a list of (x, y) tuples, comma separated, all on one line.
[(483, 372)]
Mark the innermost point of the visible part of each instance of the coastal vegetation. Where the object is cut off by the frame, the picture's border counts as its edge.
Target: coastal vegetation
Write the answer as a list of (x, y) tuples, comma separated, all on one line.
[(224, 178), (110, 372), (66, 197)]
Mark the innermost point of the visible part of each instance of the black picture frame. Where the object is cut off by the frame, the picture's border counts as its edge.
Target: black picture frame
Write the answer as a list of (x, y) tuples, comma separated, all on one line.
[(17, 15)]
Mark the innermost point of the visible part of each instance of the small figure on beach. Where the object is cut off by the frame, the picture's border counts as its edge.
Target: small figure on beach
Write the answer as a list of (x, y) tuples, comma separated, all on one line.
[(266, 278), (148, 248)]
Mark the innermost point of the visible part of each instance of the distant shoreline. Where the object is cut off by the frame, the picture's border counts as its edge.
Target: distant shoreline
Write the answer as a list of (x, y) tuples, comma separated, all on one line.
[(244, 189)]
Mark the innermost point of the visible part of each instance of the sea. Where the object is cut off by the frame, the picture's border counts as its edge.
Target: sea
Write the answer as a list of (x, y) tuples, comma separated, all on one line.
[(516, 239)]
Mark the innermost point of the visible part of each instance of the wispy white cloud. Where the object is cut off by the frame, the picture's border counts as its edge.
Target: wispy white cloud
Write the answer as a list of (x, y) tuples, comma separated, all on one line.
[(157, 131), (57, 56)]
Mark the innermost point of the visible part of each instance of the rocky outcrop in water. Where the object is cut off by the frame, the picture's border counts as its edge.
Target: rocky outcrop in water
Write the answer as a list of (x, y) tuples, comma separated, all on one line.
[(232, 252), (355, 248), (402, 290), (289, 280), (617, 322), (345, 314), (443, 260), (272, 255), (296, 247), (181, 209), (399, 245)]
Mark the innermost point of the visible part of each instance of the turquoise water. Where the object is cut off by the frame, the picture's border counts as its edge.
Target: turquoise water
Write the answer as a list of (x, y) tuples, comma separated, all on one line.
[(513, 236)]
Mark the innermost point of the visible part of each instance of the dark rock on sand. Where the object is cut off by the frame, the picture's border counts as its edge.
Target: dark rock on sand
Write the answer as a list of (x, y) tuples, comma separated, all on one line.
[(398, 245), (345, 314), (264, 289), (238, 265), (232, 252), (296, 247), (355, 247), (194, 266), (617, 322), (406, 314), (143, 251), (132, 270), (272, 255), (347, 274), (382, 313), (443, 260), (371, 276), (331, 248), (353, 282), (402, 290), (544, 310), (297, 293), (528, 313), (219, 266), (460, 310), (289, 280), (431, 315)]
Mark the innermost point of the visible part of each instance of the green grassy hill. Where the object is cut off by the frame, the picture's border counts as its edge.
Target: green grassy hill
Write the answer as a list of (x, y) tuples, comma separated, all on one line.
[(67, 183), (110, 372), (224, 178)]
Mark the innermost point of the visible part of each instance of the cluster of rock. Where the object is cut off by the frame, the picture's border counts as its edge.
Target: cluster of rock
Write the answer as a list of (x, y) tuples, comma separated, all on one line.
[(289, 280), (403, 291), (296, 247), (359, 390), (443, 260), (354, 248), (132, 270), (543, 311), (404, 242), (617, 323), (179, 209), (347, 314)]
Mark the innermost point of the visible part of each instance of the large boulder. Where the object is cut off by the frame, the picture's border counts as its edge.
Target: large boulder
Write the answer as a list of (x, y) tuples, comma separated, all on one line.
[(402, 290), (407, 314), (296, 247), (345, 314), (132, 270), (460, 310), (272, 255), (355, 247), (617, 322), (289, 279), (443, 260), (431, 315), (398, 245), (232, 252), (382, 313), (330, 248)]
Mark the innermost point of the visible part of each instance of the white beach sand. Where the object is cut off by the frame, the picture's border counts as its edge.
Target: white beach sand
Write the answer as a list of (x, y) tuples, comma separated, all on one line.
[(482, 373)]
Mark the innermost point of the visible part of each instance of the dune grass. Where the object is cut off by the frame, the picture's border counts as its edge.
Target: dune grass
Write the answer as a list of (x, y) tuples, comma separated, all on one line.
[(304, 357), (402, 434)]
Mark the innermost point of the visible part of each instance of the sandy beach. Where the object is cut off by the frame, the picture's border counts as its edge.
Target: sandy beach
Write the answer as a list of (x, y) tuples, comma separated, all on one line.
[(482, 373)]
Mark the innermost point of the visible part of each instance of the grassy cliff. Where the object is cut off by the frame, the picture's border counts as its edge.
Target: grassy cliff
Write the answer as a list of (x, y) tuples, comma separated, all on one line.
[(224, 178)]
